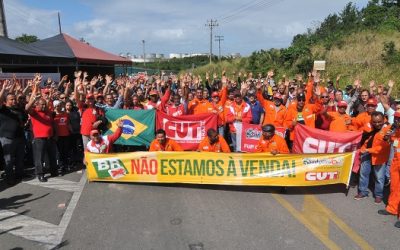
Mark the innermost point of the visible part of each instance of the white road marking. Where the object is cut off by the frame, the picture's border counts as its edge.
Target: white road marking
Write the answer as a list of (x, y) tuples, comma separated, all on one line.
[(28, 228), (55, 183), (48, 234)]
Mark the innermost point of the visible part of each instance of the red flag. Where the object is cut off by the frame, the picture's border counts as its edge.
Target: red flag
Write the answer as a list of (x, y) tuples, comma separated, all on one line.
[(311, 140), (187, 130)]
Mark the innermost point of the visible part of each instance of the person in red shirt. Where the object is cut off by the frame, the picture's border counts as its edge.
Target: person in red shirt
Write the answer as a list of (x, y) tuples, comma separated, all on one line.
[(162, 143), (213, 143), (62, 129), (271, 142), (176, 108), (92, 116), (44, 146)]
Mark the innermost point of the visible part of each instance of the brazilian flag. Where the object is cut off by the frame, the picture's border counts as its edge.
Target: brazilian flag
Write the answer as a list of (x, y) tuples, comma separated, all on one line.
[(138, 126)]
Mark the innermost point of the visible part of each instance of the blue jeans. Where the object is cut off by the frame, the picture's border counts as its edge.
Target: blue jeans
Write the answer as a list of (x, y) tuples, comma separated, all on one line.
[(233, 138), (221, 131), (365, 170), (389, 163)]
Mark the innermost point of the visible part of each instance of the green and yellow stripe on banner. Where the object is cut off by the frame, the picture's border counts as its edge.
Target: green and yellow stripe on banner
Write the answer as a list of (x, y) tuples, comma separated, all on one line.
[(219, 168)]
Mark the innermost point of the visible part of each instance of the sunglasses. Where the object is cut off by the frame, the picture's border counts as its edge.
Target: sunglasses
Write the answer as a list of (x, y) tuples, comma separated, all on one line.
[(324, 96), (301, 100)]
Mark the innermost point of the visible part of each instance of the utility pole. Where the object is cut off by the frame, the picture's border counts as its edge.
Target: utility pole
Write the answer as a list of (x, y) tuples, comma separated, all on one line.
[(219, 39), (144, 53), (211, 24)]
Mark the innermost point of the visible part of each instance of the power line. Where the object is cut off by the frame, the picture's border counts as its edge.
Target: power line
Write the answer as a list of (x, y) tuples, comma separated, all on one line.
[(211, 24), (229, 12), (219, 39), (249, 6), (26, 17), (258, 5)]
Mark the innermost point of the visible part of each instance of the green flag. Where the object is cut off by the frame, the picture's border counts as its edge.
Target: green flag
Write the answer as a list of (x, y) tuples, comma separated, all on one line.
[(138, 126)]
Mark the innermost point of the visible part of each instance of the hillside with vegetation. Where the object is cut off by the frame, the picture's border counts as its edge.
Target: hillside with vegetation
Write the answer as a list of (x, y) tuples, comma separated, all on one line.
[(355, 43)]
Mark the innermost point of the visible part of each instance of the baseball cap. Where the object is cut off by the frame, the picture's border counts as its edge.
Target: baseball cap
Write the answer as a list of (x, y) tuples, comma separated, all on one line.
[(397, 114), (153, 92), (342, 104), (372, 101), (88, 96), (94, 132), (277, 95), (99, 95), (301, 96), (215, 94), (56, 103)]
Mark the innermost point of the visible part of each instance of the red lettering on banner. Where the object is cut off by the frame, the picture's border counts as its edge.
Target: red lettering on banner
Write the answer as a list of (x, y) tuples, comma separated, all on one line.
[(321, 176), (313, 145), (144, 166)]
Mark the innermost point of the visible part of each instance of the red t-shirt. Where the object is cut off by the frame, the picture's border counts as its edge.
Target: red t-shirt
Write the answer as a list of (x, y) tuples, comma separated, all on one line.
[(89, 116), (42, 123), (62, 121)]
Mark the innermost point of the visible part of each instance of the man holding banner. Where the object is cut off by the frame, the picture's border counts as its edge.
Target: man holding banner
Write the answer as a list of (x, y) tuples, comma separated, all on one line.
[(102, 144), (271, 142), (162, 143), (213, 143)]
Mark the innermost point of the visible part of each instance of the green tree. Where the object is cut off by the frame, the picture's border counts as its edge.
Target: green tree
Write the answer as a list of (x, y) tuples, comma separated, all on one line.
[(25, 38)]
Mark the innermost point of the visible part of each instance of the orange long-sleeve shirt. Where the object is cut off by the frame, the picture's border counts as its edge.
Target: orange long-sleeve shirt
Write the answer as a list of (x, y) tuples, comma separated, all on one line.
[(170, 145), (380, 147), (308, 114), (338, 123), (272, 115), (197, 106), (275, 143), (362, 122), (220, 146)]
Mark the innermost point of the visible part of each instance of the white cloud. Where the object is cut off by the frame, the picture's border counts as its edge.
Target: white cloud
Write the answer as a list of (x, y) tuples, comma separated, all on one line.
[(169, 34)]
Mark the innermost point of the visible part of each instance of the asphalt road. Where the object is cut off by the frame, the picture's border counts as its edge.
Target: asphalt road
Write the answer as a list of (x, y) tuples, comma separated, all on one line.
[(69, 213)]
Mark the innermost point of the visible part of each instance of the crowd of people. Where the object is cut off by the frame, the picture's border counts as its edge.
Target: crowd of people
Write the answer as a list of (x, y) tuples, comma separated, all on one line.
[(50, 124)]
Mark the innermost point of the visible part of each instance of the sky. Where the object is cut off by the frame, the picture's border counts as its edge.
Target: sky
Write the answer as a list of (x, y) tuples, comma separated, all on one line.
[(172, 26)]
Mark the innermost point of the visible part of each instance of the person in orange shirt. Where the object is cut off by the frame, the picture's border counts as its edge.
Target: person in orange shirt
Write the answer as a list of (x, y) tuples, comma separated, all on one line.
[(199, 105), (271, 142), (239, 112), (393, 206), (340, 120), (274, 110), (362, 121), (301, 113), (162, 143), (218, 102), (213, 143), (374, 152)]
